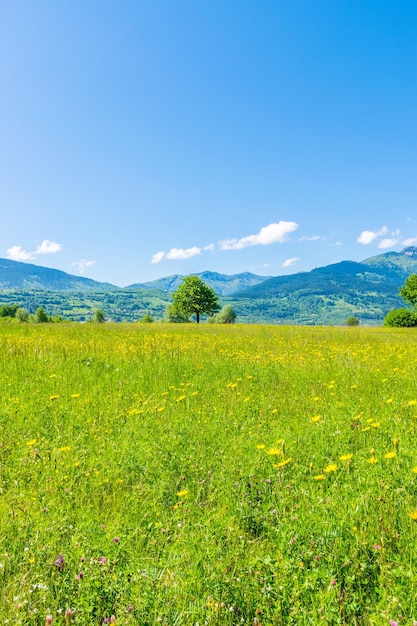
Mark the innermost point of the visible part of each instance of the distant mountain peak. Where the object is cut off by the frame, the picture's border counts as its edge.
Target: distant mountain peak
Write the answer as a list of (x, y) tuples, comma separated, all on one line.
[(410, 251)]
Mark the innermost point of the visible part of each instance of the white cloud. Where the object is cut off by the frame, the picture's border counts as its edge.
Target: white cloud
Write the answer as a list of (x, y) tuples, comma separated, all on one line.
[(274, 233), (387, 243), (176, 254), (16, 253), (290, 262), (157, 257), (180, 254), (411, 241), (48, 247), (82, 264), (336, 243), (368, 236), (312, 238)]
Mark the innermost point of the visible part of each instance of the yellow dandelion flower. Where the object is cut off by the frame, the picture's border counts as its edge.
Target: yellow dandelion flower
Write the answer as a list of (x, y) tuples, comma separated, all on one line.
[(412, 402), (53, 397), (366, 428), (276, 465), (375, 424), (31, 442), (373, 460), (182, 493), (413, 515), (319, 477), (274, 451), (390, 455), (414, 470), (75, 395), (180, 399), (332, 467), (260, 446), (389, 400), (345, 457), (315, 418), (246, 399), (65, 449)]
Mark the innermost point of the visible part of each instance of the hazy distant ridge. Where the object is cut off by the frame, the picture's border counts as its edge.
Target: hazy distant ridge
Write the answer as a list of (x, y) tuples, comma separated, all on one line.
[(223, 284), (16, 275)]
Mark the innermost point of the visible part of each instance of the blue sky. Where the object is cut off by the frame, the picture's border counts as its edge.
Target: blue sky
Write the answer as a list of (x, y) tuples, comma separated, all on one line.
[(142, 139)]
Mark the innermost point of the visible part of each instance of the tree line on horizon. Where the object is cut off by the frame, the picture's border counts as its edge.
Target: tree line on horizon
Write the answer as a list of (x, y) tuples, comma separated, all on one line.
[(194, 298)]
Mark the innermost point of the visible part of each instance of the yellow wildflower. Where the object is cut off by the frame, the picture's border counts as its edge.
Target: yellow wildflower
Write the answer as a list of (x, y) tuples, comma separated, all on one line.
[(274, 451), (282, 463), (345, 457)]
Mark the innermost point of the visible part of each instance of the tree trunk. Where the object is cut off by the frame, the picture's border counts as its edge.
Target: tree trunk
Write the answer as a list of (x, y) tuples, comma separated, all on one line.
[(198, 316)]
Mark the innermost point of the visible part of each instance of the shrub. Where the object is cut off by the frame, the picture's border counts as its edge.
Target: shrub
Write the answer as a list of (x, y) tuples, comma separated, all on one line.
[(401, 318), (352, 321), (146, 319)]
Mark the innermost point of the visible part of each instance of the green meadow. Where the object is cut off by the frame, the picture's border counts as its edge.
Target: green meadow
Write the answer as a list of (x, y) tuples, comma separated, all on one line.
[(211, 474)]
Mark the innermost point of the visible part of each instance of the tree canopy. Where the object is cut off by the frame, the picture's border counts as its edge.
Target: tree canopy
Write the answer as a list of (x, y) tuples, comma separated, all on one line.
[(408, 291), (195, 297)]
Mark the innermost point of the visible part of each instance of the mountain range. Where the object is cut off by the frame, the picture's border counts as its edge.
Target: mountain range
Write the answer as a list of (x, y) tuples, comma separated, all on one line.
[(325, 295)]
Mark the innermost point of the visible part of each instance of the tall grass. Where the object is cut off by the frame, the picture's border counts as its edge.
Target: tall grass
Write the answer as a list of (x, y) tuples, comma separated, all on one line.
[(207, 475)]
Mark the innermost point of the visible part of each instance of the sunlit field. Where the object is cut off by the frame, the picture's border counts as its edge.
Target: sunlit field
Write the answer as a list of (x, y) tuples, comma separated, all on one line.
[(207, 474)]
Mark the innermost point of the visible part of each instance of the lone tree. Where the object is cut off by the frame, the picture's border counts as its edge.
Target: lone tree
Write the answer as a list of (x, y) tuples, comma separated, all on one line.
[(194, 297), (408, 291)]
